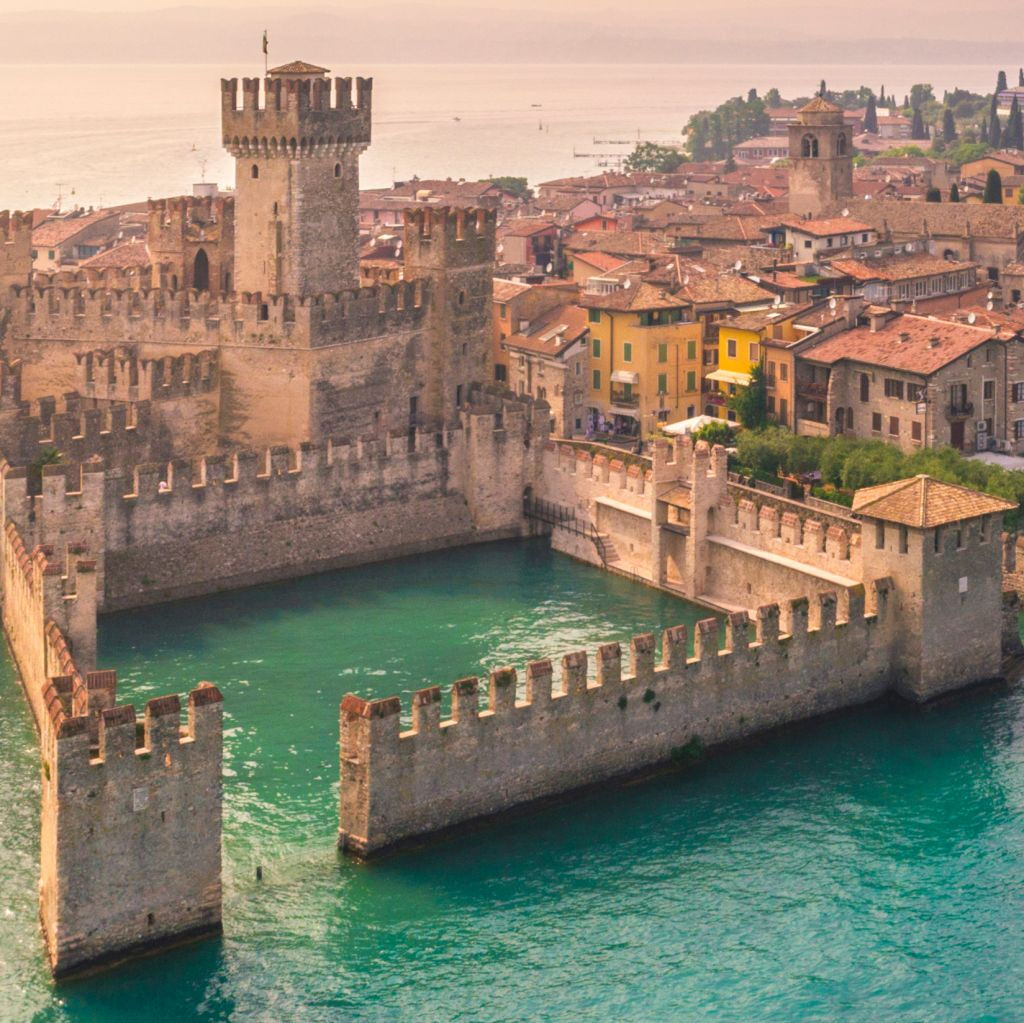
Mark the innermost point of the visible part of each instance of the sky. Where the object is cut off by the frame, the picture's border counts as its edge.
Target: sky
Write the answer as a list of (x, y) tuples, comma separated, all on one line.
[(522, 31)]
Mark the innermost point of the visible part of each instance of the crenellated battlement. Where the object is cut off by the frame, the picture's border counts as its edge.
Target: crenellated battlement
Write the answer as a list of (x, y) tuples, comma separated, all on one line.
[(442, 238), (15, 247), (316, 116), (120, 374), (560, 734)]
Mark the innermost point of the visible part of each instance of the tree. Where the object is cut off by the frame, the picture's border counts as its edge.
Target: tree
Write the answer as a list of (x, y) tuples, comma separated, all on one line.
[(993, 188), (918, 130), (921, 94), (822, 90), (881, 97), (1001, 82), (871, 117), (954, 193), (773, 98), (515, 186), (649, 156), (751, 95), (718, 432), (1020, 77), (993, 122), (983, 131), (1020, 196), (948, 127), (933, 195), (1013, 137), (750, 403)]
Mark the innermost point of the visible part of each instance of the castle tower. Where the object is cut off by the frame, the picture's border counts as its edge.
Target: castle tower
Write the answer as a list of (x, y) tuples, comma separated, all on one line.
[(15, 249), (821, 158), (941, 546), (454, 250), (191, 243), (296, 152)]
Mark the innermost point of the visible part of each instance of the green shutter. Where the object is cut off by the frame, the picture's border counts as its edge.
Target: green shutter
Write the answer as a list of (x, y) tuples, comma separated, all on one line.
[(662, 383), (627, 352), (596, 348), (594, 315), (691, 380), (597, 380), (663, 352), (691, 349)]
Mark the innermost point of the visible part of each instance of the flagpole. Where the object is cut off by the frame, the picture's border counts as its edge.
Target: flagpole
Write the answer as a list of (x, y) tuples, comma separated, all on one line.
[(266, 51)]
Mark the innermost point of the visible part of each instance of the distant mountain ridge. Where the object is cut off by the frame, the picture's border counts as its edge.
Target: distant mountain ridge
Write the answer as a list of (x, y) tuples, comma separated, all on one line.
[(432, 33)]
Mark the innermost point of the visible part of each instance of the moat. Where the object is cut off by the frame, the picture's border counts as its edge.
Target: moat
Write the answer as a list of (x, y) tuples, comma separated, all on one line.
[(865, 866)]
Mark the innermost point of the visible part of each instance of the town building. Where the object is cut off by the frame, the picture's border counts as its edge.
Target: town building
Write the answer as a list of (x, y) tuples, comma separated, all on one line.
[(515, 307), (899, 280), (810, 239), (645, 357), (549, 360)]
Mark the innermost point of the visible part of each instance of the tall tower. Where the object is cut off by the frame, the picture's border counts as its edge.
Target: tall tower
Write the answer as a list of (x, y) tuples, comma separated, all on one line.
[(820, 157), (296, 178)]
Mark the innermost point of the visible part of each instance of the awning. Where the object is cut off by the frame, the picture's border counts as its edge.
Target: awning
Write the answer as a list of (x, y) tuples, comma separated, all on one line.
[(619, 410), (621, 376), (688, 425), (727, 376)]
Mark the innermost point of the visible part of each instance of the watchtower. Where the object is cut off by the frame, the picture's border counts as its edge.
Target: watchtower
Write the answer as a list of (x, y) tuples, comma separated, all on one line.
[(821, 158), (15, 248), (941, 546), (296, 151)]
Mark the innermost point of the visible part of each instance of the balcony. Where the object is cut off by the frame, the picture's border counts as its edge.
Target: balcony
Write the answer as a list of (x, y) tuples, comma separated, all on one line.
[(960, 410), (624, 399), (812, 390)]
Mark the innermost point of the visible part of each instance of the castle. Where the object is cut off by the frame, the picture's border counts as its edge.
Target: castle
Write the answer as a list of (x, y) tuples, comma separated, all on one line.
[(245, 412)]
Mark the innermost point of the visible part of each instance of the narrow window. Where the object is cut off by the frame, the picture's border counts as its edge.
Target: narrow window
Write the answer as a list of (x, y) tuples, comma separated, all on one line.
[(938, 541), (337, 170), (880, 535), (904, 539), (255, 173)]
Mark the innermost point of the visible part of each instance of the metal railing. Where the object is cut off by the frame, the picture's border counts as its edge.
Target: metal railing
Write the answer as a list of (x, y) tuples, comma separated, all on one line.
[(558, 516)]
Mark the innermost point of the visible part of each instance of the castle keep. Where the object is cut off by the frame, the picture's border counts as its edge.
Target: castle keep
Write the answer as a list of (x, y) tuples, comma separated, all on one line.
[(243, 411)]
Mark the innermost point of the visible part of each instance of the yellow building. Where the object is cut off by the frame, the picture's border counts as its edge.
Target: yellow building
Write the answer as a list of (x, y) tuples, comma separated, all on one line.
[(645, 358)]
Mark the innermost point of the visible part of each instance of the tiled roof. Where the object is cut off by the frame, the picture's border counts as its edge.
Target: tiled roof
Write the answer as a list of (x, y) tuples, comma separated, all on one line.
[(759, 319), (56, 232), (602, 260), (129, 254), (638, 297), (827, 228), (820, 105), (524, 227), (983, 220), (619, 243), (915, 344), (897, 268), (547, 336), (924, 502), (298, 67), (505, 291)]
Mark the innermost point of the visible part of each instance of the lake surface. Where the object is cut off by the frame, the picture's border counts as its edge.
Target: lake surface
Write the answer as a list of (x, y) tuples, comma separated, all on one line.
[(864, 867), (122, 133)]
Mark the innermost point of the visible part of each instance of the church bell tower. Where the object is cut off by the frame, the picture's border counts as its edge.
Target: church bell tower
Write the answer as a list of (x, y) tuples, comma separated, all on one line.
[(820, 158)]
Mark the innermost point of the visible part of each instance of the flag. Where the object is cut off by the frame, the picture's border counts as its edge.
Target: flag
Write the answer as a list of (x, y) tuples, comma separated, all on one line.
[(266, 44)]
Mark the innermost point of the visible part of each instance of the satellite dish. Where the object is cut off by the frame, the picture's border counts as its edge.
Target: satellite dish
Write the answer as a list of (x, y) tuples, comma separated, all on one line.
[(846, 212), (627, 283), (777, 301), (738, 265), (989, 306), (549, 268), (832, 303), (971, 317), (501, 249), (686, 280), (990, 295), (909, 247)]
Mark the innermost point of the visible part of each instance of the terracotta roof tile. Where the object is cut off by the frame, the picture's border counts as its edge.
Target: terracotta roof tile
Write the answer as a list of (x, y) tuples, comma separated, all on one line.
[(925, 502)]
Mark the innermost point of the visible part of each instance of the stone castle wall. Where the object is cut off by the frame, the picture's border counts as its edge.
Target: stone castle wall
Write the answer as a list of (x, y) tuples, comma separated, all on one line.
[(397, 784), (183, 528), (119, 804)]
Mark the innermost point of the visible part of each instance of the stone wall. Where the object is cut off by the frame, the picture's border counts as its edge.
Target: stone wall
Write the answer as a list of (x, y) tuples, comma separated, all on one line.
[(120, 806), (183, 528), (397, 784)]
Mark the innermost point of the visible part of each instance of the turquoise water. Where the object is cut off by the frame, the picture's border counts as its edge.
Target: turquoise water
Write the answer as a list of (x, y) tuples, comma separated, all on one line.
[(865, 867)]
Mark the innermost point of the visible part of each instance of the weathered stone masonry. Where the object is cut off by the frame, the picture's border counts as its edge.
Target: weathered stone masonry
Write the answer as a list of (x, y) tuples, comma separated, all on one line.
[(398, 784)]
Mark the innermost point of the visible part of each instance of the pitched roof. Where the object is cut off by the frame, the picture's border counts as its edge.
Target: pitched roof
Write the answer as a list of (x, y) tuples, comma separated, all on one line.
[(897, 268), (504, 290), (129, 254), (637, 297), (915, 344), (62, 229), (820, 105), (553, 332), (298, 67), (925, 502), (983, 220), (828, 227), (603, 261), (524, 227)]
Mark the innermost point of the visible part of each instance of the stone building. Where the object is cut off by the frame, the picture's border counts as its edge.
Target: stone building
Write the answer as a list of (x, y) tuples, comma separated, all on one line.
[(910, 380), (821, 158), (550, 359)]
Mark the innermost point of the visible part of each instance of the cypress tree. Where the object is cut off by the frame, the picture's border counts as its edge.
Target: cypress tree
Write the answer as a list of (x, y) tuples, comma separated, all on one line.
[(993, 121), (948, 126), (1020, 77), (954, 193), (993, 188), (822, 91), (918, 131), (881, 97), (871, 117), (983, 133), (1014, 136), (933, 195), (1001, 82)]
